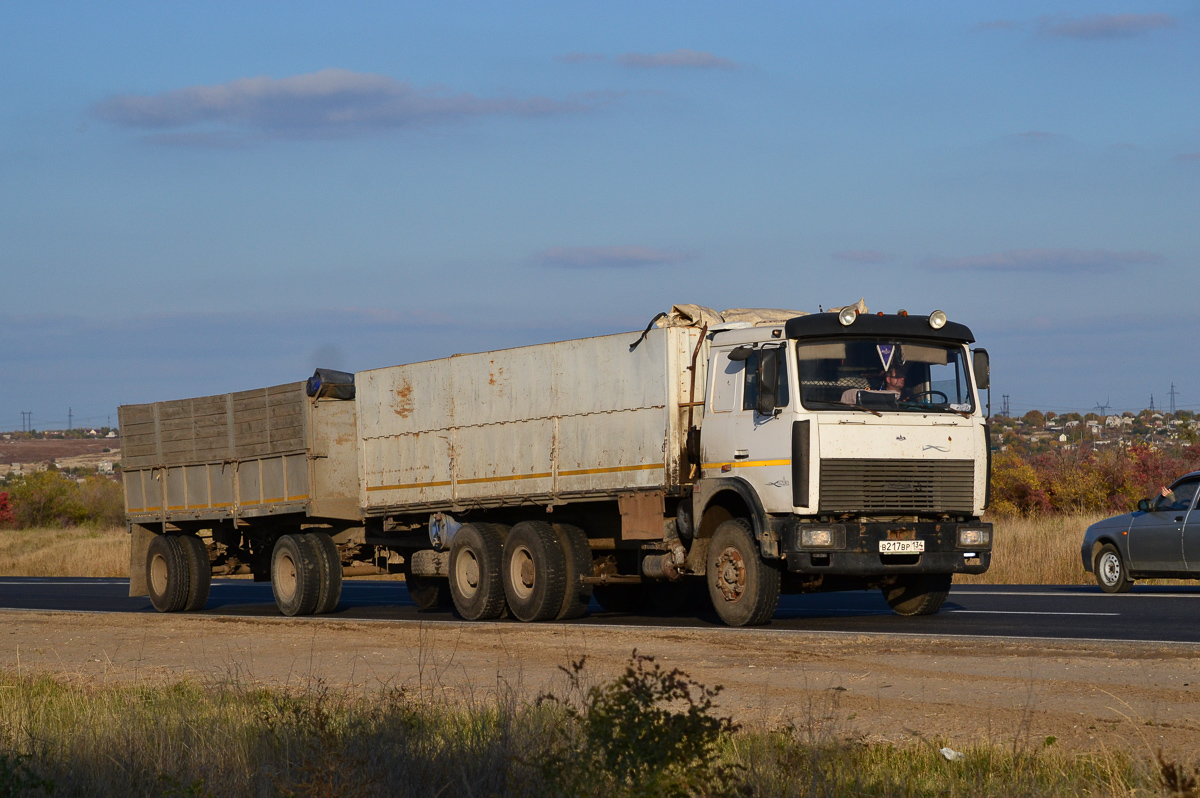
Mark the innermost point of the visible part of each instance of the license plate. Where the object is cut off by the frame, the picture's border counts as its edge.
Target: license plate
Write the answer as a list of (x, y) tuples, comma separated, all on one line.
[(901, 546)]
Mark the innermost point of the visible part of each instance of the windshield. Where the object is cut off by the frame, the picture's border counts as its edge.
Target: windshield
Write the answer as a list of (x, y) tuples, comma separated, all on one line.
[(884, 374)]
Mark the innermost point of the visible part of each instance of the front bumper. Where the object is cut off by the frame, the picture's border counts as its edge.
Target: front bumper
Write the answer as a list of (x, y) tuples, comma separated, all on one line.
[(860, 555)]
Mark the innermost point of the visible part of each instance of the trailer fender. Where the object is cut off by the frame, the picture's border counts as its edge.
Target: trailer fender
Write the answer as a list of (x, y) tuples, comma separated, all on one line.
[(716, 501), (139, 547)]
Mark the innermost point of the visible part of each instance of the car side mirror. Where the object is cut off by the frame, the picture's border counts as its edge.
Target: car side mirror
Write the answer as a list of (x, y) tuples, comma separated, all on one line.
[(1143, 505), (768, 380), (981, 364), (741, 353)]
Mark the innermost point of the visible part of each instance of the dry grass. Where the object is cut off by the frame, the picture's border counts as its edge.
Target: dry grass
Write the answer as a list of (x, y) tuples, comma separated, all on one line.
[(1036, 551), (77, 551)]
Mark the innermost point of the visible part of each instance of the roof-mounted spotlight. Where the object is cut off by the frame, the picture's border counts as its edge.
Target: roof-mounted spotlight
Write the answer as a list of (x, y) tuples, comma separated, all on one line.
[(847, 316), (937, 320)]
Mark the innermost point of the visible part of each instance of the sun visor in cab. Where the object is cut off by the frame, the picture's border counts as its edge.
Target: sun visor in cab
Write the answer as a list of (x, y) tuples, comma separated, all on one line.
[(330, 384)]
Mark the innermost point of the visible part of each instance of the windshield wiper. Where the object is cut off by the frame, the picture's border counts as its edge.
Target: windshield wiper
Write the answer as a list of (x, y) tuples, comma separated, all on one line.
[(934, 408), (867, 409)]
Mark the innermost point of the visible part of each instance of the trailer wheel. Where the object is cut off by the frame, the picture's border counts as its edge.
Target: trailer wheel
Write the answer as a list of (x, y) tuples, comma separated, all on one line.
[(475, 584), (921, 594), (744, 589), (534, 571), (199, 569), (167, 574), (578, 556), (295, 575), (329, 571)]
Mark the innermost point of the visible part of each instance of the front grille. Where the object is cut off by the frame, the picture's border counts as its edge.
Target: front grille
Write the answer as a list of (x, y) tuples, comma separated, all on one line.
[(875, 486)]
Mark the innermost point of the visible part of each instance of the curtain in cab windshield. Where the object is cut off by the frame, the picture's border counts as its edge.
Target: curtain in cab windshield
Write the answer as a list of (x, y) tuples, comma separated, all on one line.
[(884, 374)]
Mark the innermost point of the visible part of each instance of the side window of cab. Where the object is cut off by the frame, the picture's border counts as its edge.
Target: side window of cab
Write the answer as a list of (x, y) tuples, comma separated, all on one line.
[(726, 378), (750, 391)]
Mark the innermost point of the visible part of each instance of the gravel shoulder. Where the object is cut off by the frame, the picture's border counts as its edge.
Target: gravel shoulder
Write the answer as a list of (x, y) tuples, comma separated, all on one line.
[(876, 688)]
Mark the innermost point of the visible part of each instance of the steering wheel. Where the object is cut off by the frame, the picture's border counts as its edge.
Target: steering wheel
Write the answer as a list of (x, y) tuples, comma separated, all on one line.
[(916, 398)]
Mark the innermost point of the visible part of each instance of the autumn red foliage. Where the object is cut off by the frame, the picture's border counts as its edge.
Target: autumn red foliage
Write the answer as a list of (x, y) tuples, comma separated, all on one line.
[(6, 513), (1109, 480)]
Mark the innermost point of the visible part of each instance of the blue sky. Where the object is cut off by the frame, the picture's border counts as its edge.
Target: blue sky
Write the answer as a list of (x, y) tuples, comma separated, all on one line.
[(202, 198)]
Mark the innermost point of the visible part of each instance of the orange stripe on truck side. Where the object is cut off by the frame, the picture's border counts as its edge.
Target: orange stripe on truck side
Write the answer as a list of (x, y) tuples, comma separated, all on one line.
[(475, 481)]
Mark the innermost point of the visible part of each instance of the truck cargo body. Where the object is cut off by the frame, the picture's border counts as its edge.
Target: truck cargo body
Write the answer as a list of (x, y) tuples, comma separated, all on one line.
[(546, 424)]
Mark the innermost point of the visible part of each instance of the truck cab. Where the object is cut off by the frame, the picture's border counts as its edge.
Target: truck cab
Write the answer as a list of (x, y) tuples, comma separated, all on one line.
[(851, 450)]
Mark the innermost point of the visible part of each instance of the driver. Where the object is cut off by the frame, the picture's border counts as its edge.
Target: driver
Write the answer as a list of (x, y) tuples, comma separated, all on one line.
[(893, 380)]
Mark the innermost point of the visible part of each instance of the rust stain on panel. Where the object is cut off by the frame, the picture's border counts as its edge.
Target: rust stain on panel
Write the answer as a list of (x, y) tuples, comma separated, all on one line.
[(402, 402)]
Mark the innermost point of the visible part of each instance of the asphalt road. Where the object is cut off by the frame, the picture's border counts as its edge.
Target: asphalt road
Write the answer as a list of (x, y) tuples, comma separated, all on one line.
[(1149, 613)]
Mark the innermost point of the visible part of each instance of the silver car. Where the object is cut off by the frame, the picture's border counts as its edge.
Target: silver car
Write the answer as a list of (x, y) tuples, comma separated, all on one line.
[(1160, 540)]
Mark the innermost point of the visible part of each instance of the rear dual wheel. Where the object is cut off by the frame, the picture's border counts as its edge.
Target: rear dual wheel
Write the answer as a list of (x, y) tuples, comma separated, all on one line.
[(178, 573), (534, 570)]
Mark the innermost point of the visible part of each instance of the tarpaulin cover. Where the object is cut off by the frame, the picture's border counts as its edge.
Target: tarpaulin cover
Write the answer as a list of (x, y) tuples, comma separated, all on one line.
[(330, 384), (698, 315)]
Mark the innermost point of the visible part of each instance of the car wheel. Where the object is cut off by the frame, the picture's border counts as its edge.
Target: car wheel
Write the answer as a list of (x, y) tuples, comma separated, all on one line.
[(1110, 571)]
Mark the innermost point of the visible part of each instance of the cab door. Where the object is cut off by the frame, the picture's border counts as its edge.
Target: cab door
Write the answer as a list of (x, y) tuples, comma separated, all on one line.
[(1156, 537)]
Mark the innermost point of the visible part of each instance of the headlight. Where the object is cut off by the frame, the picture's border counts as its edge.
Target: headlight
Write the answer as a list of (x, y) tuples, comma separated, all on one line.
[(847, 316), (937, 320), (974, 536), (823, 537)]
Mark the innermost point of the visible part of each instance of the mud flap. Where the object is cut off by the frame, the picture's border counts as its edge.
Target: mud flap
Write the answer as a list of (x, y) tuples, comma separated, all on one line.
[(139, 545)]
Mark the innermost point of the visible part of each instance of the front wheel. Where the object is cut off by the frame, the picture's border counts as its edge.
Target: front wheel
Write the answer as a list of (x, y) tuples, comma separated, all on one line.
[(744, 588), (918, 595), (1110, 570)]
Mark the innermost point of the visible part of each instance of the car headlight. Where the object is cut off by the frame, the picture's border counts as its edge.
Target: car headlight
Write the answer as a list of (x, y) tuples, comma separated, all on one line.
[(847, 316), (937, 320), (823, 537), (974, 537)]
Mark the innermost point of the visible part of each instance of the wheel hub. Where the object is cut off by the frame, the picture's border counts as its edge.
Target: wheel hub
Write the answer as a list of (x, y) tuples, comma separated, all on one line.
[(1110, 568), (731, 574), (466, 572), (522, 572)]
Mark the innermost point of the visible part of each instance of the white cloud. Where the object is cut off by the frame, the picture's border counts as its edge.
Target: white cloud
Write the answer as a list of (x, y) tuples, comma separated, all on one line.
[(692, 59), (326, 104), (1105, 26)]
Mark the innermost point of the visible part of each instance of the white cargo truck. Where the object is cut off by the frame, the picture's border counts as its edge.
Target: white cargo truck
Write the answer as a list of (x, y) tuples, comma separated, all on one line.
[(716, 460)]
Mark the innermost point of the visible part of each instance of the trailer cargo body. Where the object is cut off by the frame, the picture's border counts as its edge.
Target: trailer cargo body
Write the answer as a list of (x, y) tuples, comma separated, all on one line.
[(251, 454), (539, 424)]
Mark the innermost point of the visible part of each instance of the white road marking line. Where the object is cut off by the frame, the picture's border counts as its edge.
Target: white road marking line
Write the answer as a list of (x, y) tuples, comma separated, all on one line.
[(1105, 596), (1022, 612)]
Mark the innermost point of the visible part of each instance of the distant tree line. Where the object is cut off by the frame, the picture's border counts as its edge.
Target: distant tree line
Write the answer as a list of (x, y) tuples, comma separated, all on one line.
[(1103, 480)]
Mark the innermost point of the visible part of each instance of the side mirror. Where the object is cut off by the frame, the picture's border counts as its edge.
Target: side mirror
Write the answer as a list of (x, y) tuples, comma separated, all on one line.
[(1143, 505), (981, 365), (768, 380), (741, 353)]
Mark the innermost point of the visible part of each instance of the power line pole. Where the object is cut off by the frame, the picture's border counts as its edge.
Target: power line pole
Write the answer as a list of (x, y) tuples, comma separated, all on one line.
[(1151, 403), (70, 418), (26, 421), (1173, 394), (1004, 407)]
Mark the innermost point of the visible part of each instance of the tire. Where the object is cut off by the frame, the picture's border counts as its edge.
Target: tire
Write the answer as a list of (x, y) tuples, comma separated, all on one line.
[(744, 588), (329, 571), (625, 599), (199, 572), (295, 575), (922, 594), (577, 555), (1110, 570), (475, 584), (167, 573), (534, 571), (428, 592)]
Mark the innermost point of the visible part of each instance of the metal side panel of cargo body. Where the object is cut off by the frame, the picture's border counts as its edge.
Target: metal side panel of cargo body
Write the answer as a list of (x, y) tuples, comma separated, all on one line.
[(254, 453), (575, 418)]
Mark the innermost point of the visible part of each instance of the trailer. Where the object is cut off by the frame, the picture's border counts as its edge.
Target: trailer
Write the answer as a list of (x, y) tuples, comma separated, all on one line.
[(711, 462)]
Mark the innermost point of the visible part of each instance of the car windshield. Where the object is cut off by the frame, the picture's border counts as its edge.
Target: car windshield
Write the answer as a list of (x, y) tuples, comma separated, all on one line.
[(881, 374)]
